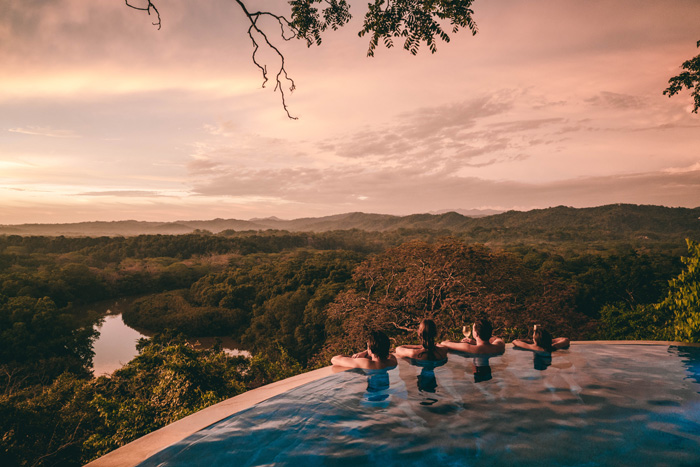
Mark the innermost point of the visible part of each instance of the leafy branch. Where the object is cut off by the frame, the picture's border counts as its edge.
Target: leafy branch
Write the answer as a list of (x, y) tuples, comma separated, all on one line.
[(689, 79), (417, 21)]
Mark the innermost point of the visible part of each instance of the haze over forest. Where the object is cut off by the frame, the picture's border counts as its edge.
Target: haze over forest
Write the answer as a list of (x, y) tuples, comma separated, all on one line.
[(599, 222)]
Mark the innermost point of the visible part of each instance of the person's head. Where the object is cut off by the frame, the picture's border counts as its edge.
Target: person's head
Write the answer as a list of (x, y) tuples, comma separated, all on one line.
[(542, 338), (483, 328), (378, 343), (427, 332)]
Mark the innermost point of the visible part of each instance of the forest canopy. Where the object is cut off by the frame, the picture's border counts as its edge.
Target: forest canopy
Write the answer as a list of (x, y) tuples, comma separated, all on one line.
[(295, 299)]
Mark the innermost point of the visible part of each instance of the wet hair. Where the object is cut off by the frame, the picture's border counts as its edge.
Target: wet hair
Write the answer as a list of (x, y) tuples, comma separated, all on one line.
[(542, 338), (379, 344), (484, 329), (427, 332)]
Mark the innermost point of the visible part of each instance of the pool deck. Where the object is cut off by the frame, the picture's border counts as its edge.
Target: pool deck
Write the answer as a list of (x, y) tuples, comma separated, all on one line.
[(137, 451)]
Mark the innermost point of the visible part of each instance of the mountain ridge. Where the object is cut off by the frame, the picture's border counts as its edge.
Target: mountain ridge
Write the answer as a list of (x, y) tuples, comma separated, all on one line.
[(612, 219)]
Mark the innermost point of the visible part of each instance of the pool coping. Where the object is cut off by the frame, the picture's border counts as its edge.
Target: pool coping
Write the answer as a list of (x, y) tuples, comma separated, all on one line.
[(142, 448)]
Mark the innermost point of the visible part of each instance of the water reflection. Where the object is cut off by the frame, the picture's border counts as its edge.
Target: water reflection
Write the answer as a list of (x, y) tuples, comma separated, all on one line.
[(690, 357), (115, 345), (377, 392), (426, 380), (482, 369), (541, 360)]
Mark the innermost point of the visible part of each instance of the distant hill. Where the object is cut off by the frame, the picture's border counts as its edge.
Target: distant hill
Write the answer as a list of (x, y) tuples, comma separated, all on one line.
[(615, 221), (470, 212)]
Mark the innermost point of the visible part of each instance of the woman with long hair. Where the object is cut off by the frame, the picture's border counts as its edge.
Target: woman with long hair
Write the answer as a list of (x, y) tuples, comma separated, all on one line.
[(428, 349)]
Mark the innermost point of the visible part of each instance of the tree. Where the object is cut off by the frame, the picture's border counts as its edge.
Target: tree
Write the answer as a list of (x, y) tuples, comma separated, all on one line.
[(412, 21), (683, 299), (453, 283), (689, 79)]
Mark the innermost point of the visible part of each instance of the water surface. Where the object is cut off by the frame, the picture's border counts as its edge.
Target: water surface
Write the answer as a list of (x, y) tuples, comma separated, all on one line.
[(590, 405), (116, 344)]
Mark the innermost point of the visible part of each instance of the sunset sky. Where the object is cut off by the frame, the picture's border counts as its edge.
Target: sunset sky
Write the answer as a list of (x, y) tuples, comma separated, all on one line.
[(553, 102)]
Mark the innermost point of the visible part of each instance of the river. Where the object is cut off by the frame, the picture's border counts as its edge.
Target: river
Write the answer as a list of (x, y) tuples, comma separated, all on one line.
[(116, 344)]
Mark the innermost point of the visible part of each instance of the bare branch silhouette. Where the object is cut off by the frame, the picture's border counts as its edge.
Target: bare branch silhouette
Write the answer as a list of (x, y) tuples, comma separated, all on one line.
[(282, 71), (147, 9)]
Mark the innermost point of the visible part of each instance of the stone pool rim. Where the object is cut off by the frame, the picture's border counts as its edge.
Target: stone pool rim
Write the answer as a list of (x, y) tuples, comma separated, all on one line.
[(137, 451)]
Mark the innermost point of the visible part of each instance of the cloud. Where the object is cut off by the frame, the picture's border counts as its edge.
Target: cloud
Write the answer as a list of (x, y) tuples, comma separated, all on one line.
[(681, 170), (428, 136), (202, 166), (618, 101), (44, 131), (407, 190), (123, 193), (525, 125)]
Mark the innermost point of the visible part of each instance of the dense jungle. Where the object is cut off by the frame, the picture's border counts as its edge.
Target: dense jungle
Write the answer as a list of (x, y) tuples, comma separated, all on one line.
[(294, 299)]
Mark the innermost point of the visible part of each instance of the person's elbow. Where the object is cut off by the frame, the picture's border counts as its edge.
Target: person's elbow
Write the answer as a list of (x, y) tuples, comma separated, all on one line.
[(563, 343)]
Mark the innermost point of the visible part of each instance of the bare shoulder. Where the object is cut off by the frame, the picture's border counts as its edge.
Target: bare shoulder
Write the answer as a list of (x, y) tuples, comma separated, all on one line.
[(441, 351), (410, 351), (350, 362)]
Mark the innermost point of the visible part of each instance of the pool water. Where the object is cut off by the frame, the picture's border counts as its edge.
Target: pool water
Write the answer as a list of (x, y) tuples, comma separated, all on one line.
[(594, 404)]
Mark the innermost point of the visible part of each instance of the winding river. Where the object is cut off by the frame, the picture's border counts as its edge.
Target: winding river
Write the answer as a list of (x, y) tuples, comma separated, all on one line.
[(116, 344)]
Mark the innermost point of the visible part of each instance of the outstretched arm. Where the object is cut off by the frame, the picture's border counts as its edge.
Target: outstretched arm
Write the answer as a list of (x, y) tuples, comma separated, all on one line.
[(409, 351), (561, 343), (349, 362), (459, 346), (526, 345)]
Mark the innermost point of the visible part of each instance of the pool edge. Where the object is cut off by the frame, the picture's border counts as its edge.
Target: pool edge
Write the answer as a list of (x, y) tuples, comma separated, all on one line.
[(142, 448)]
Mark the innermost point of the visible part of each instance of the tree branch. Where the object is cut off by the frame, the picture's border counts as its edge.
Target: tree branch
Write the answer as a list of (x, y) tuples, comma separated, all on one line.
[(147, 9), (398, 326), (689, 79), (282, 71)]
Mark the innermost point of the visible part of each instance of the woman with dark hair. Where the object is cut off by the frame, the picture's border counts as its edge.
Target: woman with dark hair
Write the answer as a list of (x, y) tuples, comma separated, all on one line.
[(428, 349), (542, 341), (376, 357)]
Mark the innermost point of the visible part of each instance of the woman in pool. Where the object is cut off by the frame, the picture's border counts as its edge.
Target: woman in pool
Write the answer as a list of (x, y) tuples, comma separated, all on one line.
[(376, 357), (428, 349), (542, 341), (478, 340)]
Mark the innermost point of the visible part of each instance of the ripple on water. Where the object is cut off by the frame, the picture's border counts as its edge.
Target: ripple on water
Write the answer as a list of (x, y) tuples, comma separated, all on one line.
[(591, 405)]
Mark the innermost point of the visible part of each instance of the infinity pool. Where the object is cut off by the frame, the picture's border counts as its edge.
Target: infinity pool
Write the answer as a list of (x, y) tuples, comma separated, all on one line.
[(594, 404)]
